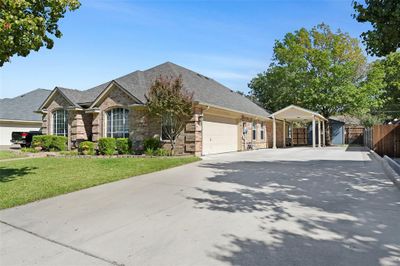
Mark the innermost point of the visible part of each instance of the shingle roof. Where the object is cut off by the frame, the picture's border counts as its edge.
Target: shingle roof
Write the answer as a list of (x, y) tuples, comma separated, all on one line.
[(347, 119), (206, 90), (22, 107)]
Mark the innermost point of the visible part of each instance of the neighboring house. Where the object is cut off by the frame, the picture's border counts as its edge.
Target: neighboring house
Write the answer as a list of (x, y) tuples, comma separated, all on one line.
[(17, 114), (223, 120)]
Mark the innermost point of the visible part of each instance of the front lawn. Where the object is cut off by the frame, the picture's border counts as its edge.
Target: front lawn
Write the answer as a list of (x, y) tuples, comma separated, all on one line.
[(10, 155), (25, 181)]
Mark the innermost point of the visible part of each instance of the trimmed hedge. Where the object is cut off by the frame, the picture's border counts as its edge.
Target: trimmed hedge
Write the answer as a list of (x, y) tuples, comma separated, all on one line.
[(107, 146), (123, 145), (151, 144), (86, 147), (50, 142)]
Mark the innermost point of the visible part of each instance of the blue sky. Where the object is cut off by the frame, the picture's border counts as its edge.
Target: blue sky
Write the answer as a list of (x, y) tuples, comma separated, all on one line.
[(230, 41)]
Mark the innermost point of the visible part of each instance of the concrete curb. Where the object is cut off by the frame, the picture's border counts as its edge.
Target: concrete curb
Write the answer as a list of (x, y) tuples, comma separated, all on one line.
[(387, 168)]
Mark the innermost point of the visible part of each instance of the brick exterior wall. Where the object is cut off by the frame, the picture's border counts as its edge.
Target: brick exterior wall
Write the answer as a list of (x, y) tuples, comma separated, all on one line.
[(84, 125), (58, 102), (257, 143)]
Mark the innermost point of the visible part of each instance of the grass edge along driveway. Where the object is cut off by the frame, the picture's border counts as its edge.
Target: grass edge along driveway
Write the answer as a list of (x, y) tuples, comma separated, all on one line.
[(25, 181), (4, 155)]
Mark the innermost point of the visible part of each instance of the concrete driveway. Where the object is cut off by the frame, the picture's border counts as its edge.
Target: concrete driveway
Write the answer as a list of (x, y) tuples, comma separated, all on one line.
[(295, 206)]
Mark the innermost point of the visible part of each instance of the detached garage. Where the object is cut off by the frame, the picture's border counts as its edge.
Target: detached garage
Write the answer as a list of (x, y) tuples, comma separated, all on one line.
[(220, 134), (17, 114)]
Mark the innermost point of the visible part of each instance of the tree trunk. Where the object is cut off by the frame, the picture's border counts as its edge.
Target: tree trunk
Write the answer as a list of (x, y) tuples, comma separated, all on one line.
[(172, 147), (328, 133)]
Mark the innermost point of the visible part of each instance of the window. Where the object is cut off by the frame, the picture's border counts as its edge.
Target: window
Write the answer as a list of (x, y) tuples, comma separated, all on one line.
[(262, 131), (254, 131), (244, 129), (117, 123), (60, 123)]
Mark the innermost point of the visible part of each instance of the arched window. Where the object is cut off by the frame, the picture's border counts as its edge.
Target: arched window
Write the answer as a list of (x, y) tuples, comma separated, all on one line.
[(60, 122), (117, 123)]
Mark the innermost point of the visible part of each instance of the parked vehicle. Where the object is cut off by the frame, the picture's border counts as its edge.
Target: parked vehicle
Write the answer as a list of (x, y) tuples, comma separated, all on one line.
[(23, 138)]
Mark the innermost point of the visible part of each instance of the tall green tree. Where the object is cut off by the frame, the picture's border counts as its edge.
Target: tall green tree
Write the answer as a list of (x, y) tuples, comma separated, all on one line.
[(172, 104), (317, 69), (385, 75), (27, 25), (384, 16)]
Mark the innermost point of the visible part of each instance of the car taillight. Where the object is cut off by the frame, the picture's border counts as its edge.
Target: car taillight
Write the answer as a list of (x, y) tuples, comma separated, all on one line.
[(24, 134)]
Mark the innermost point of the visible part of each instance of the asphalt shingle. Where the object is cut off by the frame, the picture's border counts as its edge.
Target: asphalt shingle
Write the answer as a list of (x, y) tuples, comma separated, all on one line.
[(22, 107), (205, 90)]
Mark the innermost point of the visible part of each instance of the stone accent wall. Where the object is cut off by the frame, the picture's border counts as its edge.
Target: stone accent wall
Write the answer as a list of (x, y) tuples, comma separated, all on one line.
[(81, 127)]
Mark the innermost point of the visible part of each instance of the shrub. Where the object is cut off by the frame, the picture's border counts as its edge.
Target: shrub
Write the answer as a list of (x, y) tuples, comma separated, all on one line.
[(107, 146), (58, 143), (149, 152), (162, 152), (86, 147), (123, 145), (151, 143), (50, 142)]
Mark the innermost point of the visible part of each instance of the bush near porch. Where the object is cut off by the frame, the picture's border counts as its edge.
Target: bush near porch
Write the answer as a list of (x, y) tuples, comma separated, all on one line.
[(29, 180)]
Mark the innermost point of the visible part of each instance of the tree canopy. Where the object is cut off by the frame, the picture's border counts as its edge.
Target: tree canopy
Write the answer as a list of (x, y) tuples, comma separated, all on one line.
[(27, 25), (316, 69), (169, 101), (385, 74), (384, 17)]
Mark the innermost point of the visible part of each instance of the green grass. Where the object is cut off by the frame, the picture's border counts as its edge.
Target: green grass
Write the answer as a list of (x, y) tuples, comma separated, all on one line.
[(25, 181), (10, 155)]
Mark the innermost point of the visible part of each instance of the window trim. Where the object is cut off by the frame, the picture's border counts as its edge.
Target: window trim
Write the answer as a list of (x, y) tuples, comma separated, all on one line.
[(254, 131), (262, 131), (105, 124), (54, 123)]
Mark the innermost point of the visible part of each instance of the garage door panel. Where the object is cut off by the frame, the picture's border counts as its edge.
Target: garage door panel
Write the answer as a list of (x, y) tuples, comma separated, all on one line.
[(219, 135), (7, 129)]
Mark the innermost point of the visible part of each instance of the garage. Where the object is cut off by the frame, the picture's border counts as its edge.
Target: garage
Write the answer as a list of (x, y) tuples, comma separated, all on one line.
[(7, 127), (18, 114), (220, 135)]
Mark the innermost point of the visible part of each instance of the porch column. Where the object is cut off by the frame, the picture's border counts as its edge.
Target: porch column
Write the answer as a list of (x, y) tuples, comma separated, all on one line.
[(313, 131), (291, 130), (284, 133), (319, 133), (273, 132), (323, 133)]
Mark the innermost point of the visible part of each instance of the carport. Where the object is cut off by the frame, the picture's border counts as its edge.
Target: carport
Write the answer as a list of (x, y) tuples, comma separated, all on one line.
[(293, 113)]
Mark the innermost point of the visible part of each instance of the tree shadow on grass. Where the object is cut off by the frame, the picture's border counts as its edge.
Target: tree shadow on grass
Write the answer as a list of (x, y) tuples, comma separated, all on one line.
[(316, 212), (10, 174)]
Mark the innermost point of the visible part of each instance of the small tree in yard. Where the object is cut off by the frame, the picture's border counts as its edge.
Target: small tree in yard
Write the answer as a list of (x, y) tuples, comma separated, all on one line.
[(169, 101)]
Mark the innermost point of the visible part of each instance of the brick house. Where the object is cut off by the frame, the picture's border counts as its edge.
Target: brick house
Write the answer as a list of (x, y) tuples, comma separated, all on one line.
[(222, 121)]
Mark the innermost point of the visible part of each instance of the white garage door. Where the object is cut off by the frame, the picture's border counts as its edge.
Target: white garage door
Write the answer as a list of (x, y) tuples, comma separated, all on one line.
[(7, 128), (219, 135)]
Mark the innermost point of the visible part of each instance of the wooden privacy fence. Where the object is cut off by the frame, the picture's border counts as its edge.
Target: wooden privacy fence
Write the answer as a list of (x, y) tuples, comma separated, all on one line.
[(354, 135), (299, 136), (383, 139)]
